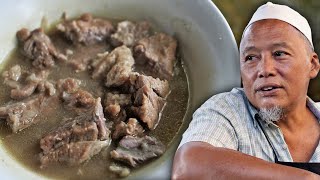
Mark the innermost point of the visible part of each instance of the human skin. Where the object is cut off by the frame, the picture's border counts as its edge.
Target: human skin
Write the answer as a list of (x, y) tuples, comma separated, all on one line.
[(276, 67), (200, 160), (278, 58)]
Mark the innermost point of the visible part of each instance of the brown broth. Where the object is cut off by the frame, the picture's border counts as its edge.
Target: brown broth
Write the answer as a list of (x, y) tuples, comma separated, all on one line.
[(24, 146)]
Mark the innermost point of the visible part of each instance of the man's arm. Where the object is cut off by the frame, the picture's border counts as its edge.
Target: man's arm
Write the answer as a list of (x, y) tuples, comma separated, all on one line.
[(199, 160)]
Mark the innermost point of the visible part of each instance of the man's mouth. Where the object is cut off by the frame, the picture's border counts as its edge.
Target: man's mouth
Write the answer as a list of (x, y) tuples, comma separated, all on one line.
[(267, 88)]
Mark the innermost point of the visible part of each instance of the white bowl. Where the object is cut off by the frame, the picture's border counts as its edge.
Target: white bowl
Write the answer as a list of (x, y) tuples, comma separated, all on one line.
[(205, 40)]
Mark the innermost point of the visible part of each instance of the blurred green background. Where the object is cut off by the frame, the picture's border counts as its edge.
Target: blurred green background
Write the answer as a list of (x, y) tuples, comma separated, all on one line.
[(239, 12)]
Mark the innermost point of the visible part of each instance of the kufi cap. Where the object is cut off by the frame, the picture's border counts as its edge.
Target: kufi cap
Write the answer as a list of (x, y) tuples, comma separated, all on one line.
[(283, 13)]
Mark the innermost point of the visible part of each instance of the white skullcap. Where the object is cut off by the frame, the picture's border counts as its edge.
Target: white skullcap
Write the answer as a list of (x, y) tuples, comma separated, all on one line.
[(283, 13)]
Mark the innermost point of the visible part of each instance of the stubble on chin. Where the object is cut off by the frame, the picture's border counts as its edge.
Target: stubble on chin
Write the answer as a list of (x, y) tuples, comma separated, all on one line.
[(272, 114)]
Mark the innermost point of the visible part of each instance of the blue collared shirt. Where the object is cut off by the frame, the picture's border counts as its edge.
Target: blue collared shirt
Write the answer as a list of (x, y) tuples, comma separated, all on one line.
[(228, 120)]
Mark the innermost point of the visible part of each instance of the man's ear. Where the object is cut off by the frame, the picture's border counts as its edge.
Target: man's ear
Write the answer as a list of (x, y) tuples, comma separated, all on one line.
[(315, 66)]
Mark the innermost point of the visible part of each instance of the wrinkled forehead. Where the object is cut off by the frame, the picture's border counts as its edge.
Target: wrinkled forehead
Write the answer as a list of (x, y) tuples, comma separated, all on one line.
[(275, 25)]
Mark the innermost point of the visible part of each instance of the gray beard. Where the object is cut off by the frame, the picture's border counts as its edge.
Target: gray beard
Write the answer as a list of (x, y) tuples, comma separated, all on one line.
[(273, 114)]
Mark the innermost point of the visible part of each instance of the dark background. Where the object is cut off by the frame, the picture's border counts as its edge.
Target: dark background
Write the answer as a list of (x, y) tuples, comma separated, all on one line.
[(239, 12)]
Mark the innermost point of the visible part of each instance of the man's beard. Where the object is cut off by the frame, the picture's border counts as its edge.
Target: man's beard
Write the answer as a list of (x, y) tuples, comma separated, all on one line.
[(273, 114)]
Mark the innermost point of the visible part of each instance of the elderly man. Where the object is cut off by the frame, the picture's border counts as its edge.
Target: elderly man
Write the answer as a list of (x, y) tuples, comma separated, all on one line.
[(270, 128)]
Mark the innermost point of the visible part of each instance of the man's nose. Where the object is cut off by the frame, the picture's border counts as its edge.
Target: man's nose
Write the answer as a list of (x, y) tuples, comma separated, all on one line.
[(266, 67)]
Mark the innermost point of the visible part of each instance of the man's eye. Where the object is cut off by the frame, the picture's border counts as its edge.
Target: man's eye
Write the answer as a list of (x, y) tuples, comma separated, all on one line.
[(249, 58), (279, 53)]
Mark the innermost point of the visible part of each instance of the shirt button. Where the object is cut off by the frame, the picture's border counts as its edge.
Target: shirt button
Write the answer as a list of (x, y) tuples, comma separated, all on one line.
[(284, 147)]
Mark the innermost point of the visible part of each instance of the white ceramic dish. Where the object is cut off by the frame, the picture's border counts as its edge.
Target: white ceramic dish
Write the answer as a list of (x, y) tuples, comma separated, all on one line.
[(205, 40)]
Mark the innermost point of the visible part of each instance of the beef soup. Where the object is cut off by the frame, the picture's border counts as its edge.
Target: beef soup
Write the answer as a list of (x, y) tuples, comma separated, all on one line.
[(91, 98)]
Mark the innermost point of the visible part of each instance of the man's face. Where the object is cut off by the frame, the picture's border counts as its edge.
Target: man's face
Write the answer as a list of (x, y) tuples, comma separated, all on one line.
[(276, 65)]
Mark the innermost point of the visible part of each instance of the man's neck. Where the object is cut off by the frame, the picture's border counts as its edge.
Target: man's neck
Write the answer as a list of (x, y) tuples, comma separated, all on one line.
[(297, 118), (301, 132)]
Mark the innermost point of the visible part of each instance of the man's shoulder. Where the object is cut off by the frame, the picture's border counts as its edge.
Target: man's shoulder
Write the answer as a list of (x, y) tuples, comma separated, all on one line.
[(317, 106), (237, 95), (233, 99)]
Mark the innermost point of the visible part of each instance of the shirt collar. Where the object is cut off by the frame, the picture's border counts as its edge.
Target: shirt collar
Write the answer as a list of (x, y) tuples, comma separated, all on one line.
[(253, 112), (314, 108)]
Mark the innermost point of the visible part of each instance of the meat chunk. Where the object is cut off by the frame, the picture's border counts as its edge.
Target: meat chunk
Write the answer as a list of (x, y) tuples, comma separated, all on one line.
[(83, 57), (115, 67), (21, 115), (76, 140), (89, 126), (46, 86), (68, 85), (80, 99), (98, 118), (77, 130), (73, 153), (23, 92), (149, 100), (79, 64), (86, 30), (102, 65), (28, 85), (161, 87), (3, 112), (148, 106), (128, 33), (117, 99), (12, 76), (158, 53), (115, 106), (37, 47), (132, 127), (121, 70), (73, 97), (135, 150), (119, 170)]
